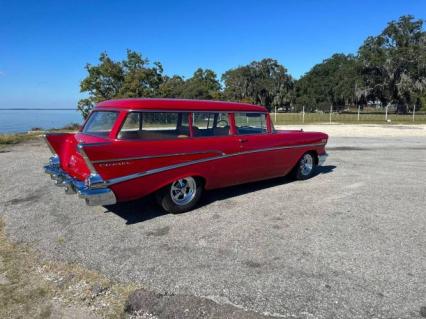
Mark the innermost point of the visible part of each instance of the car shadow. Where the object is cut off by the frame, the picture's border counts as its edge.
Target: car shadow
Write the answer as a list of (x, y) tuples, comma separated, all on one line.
[(325, 169), (144, 209), (237, 190), (136, 211)]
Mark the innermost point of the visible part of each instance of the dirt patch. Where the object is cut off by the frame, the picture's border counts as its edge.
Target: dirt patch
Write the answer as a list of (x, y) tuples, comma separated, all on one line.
[(146, 304), (32, 288)]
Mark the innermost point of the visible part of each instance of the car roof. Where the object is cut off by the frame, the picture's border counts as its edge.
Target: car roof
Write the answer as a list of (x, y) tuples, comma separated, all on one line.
[(177, 104)]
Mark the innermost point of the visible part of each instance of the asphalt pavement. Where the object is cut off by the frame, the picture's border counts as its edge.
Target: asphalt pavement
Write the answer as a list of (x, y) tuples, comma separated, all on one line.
[(348, 243)]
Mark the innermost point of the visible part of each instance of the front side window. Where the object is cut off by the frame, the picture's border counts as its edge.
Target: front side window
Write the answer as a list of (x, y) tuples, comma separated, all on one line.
[(210, 124), (100, 123), (154, 126), (250, 123)]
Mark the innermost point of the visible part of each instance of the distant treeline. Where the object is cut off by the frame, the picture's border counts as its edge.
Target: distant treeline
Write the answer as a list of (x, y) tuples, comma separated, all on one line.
[(388, 70)]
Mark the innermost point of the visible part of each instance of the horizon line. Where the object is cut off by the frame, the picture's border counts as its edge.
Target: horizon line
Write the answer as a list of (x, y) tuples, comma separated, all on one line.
[(37, 109)]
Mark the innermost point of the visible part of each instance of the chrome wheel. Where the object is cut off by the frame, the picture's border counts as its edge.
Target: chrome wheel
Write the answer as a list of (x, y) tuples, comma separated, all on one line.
[(306, 164), (183, 191)]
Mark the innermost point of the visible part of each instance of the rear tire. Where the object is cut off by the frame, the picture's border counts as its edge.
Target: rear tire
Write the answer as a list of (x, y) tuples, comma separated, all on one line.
[(305, 167), (180, 196)]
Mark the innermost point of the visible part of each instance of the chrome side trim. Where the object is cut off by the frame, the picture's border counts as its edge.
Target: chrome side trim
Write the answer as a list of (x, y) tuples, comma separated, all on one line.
[(203, 160), (156, 156), (94, 144), (80, 149)]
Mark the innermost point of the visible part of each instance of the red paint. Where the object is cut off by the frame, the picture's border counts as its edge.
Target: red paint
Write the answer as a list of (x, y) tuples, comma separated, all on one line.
[(217, 173), (178, 105)]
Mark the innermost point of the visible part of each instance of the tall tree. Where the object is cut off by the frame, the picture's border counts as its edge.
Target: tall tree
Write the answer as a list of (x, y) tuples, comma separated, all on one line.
[(172, 87), (202, 85), (331, 82), (140, 79), (132, 77), (394, 63), (264, 82)]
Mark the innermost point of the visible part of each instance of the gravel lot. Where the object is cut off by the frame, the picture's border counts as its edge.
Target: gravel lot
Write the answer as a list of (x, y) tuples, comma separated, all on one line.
[(348, 243)]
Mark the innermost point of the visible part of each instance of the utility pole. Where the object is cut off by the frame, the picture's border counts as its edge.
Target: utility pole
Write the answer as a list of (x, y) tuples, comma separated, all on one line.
[(303, 114), (331, 111)]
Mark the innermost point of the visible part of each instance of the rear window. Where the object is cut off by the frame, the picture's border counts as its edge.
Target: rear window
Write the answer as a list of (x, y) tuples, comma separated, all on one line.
[(100, 123), (210, 124), (155, 126), (250, 123)]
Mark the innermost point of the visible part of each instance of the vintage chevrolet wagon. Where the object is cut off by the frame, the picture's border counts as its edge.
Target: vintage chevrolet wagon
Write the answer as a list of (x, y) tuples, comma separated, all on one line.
[(130, 148)]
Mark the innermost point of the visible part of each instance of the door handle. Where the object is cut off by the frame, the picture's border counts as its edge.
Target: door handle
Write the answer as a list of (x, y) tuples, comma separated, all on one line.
[(243, 140)]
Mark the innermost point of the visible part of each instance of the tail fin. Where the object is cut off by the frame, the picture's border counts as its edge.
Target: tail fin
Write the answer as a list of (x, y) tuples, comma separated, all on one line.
[(61, 144)]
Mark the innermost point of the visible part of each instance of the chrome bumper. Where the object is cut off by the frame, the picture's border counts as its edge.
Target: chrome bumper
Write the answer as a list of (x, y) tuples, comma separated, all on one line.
[(92, 196), (322, 158)]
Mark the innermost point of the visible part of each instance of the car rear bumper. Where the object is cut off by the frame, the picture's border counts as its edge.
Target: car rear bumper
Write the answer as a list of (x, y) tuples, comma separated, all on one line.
[(322, 158), (92, 196)]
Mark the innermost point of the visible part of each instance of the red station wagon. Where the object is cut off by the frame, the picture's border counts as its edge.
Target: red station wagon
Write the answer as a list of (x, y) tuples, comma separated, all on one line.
[(130, 148)]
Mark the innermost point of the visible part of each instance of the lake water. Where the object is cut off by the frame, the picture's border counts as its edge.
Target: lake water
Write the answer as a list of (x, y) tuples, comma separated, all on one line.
[(13, 121)]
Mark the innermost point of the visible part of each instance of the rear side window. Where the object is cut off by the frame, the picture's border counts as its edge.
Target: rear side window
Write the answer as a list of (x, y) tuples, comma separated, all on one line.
[(210, 124), (154, 126), (100, 123), (250, 123)]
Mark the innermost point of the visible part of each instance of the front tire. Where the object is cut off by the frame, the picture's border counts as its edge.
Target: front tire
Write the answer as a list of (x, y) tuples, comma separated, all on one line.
[(180, 196), (305, 167)]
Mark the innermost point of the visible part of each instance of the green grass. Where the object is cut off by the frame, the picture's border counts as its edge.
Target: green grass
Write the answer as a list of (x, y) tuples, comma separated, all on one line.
[(11, 139), (346, 118)]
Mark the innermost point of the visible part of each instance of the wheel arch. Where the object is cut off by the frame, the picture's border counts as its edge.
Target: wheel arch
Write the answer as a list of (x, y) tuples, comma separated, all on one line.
[(167, 182), (315, 155)]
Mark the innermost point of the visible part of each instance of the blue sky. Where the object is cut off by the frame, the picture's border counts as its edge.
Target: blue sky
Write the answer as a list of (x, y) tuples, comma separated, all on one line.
[(44, 45)]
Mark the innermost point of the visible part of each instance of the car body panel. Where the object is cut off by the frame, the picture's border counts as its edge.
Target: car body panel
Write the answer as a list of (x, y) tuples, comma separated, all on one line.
[(135, 168)]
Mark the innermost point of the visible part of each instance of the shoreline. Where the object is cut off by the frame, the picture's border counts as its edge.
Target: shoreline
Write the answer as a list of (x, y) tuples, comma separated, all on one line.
[(9, 139), (35, 130)]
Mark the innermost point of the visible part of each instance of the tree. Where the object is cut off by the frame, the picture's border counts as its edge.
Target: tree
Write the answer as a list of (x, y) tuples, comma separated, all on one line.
[(172, 87), (102, 83), (331, 82), (202, 85), (390, 67), (394, 63), (133, 77), (264, 82), (140, 79)]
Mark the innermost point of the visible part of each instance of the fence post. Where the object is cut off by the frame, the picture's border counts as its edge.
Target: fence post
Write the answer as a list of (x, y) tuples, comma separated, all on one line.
[(386, 116), (275, 115), (303, 114), (331, 111), (414, 111), (359, 107)]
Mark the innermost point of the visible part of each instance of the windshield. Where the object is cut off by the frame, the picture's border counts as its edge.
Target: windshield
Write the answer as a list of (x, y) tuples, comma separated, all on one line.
[(100, 123)]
